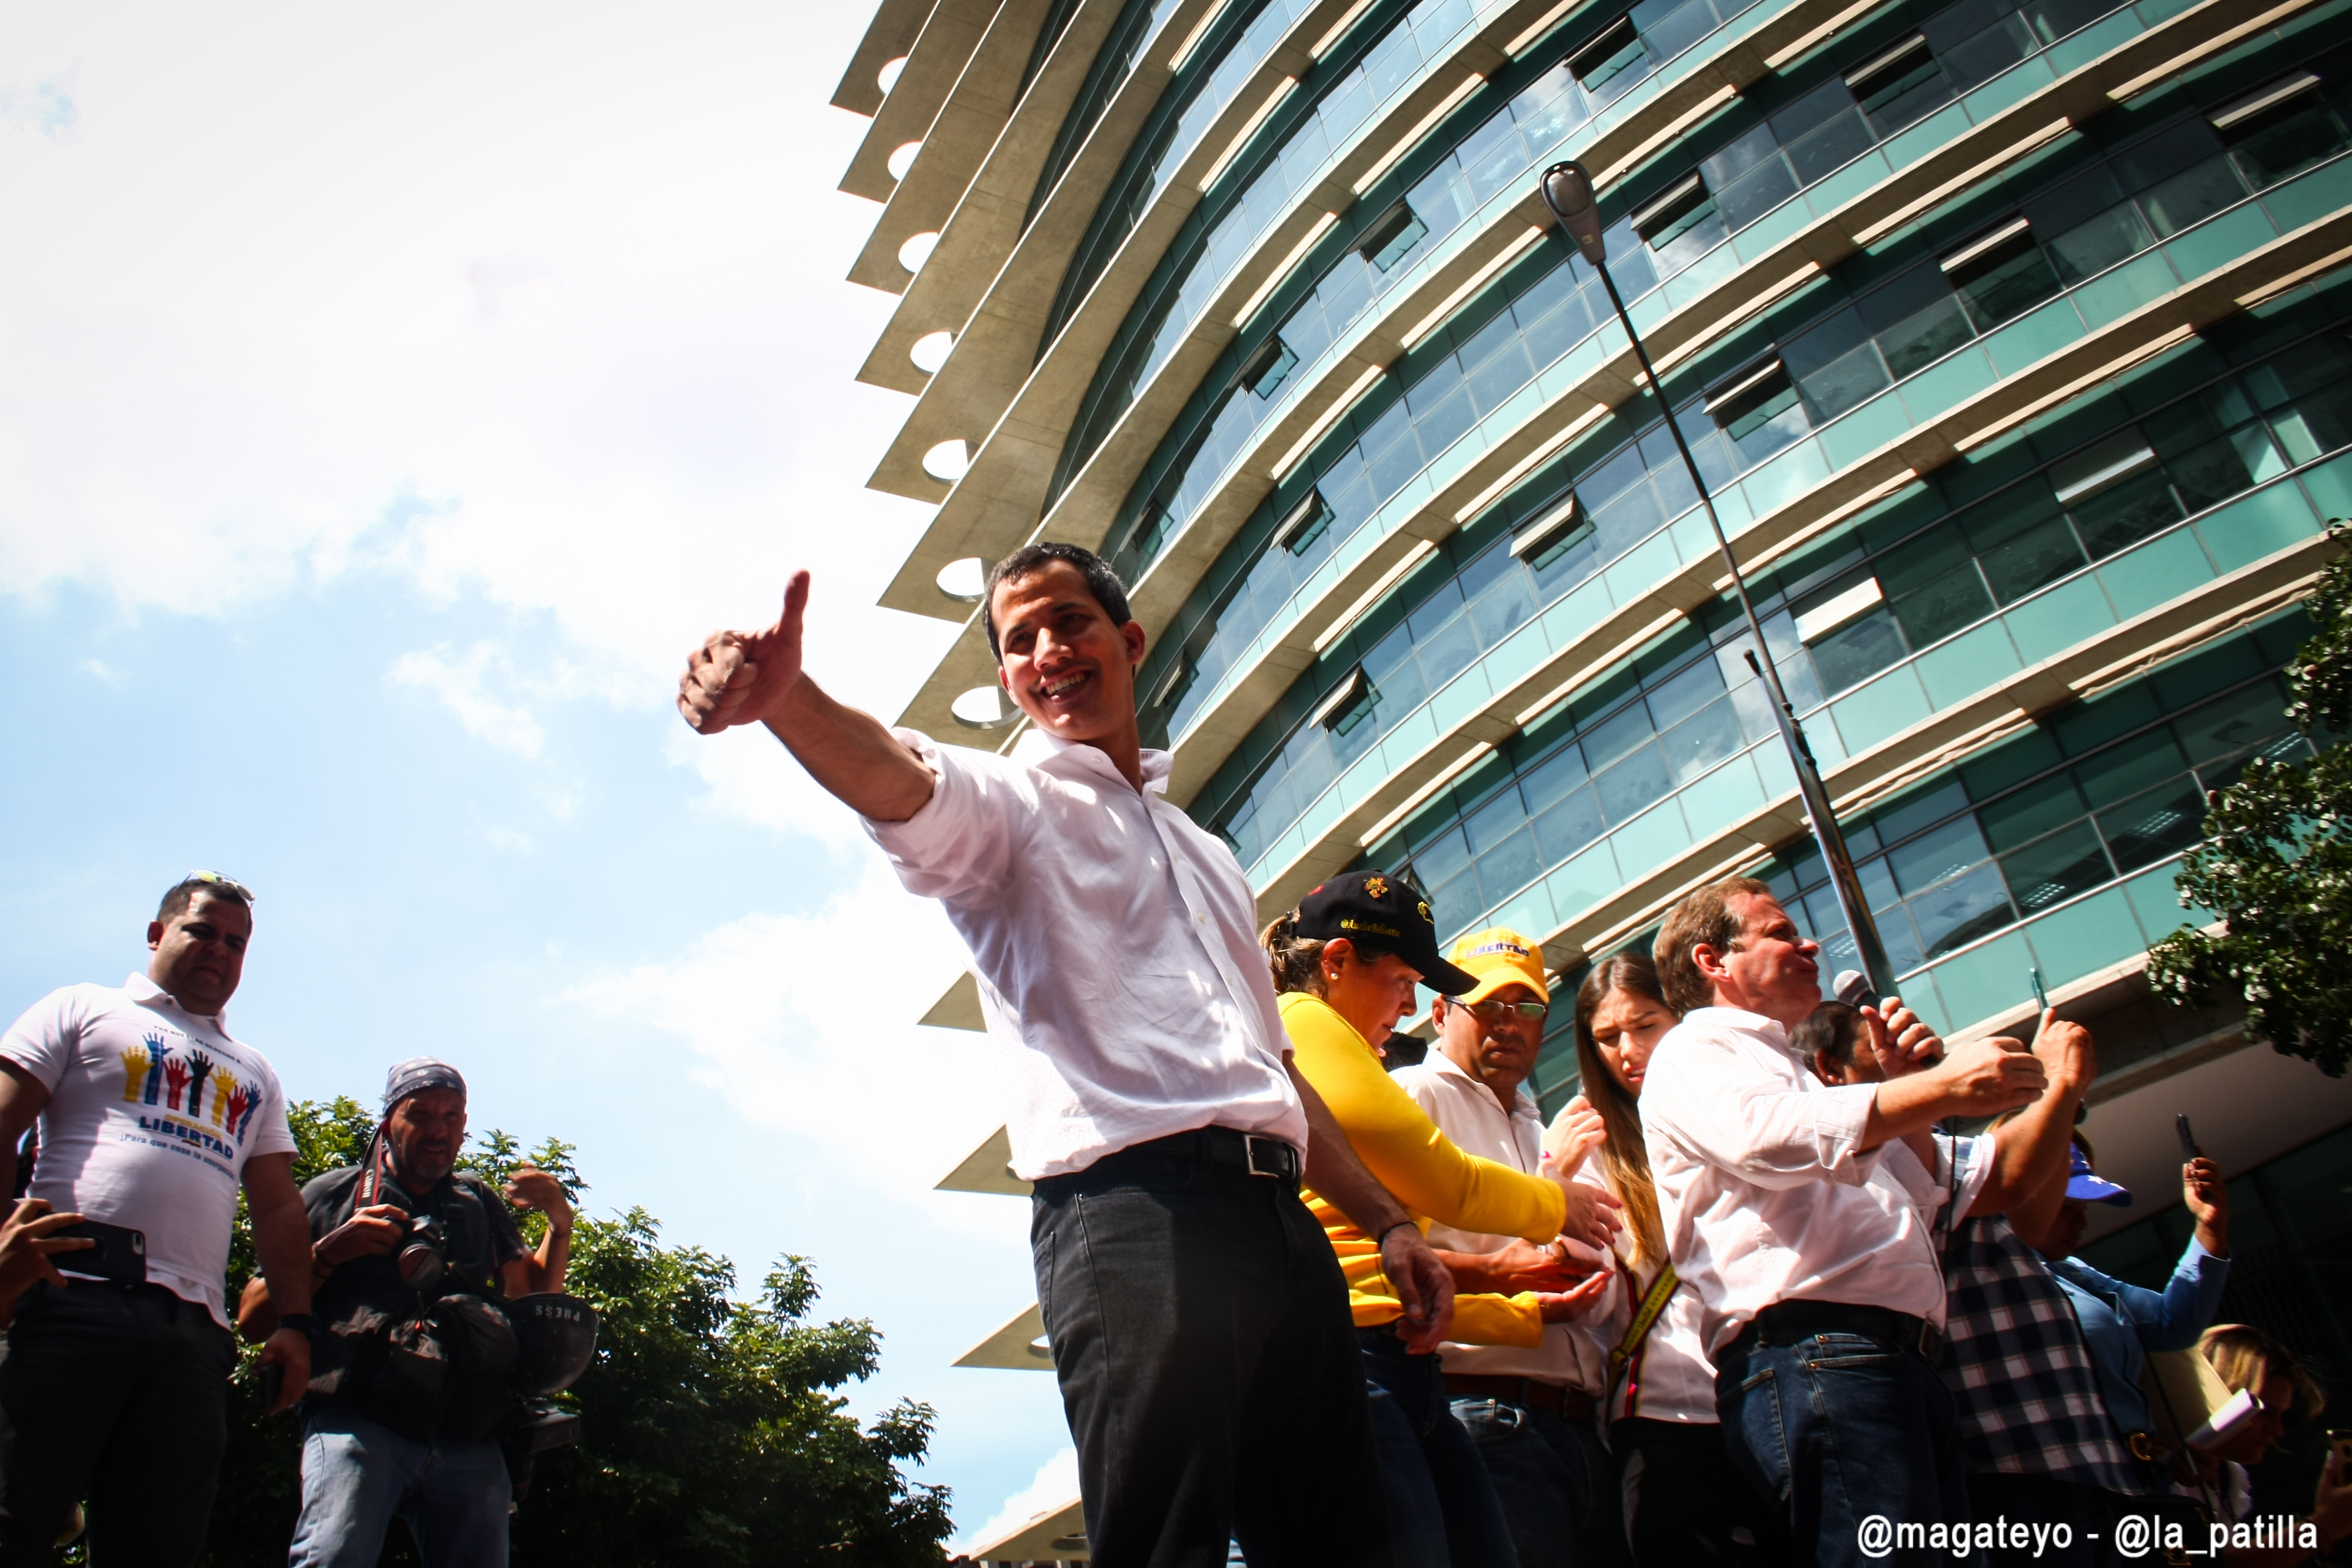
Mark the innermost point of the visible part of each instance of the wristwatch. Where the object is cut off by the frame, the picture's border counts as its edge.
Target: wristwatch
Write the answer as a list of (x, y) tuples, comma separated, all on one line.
[(301, 1322)]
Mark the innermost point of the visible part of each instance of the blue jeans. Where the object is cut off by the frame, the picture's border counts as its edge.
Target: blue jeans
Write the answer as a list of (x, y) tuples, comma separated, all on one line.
[(1557, 1483), (1441, 1506), (1838, 1428), (358, 1474)]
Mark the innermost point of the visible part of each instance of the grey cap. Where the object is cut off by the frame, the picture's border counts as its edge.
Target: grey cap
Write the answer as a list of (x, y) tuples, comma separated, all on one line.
[(416, 1075)]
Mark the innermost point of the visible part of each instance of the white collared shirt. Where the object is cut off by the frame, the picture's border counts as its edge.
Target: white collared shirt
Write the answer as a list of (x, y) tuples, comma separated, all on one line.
[(1116, 943), (152, 1112), (1763, 1190), (1466, 1111)]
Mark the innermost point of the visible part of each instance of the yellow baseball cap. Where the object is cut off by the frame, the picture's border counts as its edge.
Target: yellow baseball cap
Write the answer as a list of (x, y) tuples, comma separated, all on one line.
[(1498, 957)]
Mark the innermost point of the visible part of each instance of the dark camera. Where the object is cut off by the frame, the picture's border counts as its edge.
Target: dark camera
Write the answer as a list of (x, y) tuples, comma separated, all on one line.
[(425, 1253)]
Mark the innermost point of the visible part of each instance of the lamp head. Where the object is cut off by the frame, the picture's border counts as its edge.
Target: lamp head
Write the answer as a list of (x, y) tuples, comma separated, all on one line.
[(1567, 190)]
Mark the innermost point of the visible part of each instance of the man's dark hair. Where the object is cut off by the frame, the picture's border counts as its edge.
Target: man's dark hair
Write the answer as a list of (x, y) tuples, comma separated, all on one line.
[(1830, 1036), (184, 893), (1031, 559)]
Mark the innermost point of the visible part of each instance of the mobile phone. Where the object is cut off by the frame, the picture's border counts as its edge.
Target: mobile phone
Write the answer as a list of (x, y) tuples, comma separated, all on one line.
[(120, 1255), (2041, 998), (2188, 1149)]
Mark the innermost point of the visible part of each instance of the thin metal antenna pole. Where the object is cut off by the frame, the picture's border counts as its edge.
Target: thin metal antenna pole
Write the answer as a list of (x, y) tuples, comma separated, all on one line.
[(1878, 973)]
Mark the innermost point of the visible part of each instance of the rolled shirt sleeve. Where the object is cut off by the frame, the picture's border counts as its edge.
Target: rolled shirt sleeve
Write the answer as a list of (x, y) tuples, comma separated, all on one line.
[(958, 847)]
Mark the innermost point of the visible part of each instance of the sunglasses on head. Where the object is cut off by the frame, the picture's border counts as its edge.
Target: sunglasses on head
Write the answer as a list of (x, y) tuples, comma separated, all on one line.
[(215, 879)]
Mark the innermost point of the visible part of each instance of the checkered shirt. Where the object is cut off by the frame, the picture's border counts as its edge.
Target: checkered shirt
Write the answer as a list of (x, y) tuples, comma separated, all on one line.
[(2018, 1368)]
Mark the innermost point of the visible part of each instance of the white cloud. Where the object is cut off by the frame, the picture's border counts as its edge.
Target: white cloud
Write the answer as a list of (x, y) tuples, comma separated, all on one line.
[(806, 1022), (461, 686), (1056, 1484), (308, 292)]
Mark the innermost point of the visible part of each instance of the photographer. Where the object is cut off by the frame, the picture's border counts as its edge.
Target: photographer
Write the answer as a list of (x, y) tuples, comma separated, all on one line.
[(410, 1250)]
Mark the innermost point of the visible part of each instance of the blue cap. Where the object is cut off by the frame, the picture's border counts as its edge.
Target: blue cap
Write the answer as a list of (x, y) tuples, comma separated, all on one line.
[(415, 1076), (2092, 1189)]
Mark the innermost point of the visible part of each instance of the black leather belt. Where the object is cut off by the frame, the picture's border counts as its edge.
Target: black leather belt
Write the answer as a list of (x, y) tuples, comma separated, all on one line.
[(1793, 1322), (1253, 1153)]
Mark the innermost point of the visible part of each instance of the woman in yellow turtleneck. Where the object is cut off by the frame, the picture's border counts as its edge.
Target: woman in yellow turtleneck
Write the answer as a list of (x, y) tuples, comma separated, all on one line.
[(1346, 962)]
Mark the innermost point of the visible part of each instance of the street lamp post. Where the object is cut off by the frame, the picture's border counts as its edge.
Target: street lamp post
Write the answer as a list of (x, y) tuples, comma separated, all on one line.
[(1567, 190)]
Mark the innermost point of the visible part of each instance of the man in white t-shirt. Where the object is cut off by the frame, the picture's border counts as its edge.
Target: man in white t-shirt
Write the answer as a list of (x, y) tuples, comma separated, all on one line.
[(150, 1115), (1822, 1301), (1199, 1324)]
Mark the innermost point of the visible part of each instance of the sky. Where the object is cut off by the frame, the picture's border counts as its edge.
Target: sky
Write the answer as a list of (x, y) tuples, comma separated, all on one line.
[(393, 397)]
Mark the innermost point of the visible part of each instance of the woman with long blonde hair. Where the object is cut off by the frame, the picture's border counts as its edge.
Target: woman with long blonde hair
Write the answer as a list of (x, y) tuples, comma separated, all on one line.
[(1685, 1503)]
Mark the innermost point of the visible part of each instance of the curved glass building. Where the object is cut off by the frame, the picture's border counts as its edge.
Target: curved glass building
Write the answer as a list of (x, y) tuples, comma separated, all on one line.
[(2014, 338)]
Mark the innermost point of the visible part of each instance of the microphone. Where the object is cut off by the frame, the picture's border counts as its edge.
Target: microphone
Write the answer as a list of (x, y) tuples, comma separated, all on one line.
[(1852, 988)]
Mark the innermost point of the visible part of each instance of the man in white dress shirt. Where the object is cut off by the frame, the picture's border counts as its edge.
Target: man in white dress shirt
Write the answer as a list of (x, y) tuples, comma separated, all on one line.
[(1197, 1321), (1821, 1300), (1530, 1410)]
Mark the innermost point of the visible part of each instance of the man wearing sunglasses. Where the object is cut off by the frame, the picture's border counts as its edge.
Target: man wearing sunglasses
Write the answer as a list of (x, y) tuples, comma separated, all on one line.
[(113, 1389), (1530, 1408)]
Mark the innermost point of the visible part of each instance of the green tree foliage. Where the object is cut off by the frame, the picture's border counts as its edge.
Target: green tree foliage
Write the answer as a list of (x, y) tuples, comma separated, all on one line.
[(711, 1433), (2275, 863)]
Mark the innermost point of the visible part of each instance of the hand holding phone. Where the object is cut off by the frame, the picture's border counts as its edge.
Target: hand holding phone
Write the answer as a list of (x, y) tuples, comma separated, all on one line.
[(2188, 1149), (118, 1253)]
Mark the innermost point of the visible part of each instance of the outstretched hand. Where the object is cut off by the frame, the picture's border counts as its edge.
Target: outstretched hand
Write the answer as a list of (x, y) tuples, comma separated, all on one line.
[(745, 678), (1565, 1305)]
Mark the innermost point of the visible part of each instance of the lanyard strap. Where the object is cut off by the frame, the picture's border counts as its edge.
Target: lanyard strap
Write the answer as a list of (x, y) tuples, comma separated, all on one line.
[(1645, 1318)]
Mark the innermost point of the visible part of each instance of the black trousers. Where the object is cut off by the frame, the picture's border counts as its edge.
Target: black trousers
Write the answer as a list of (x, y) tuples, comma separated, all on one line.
[(1686, 1506), (1208, 1364), (119, 1395)]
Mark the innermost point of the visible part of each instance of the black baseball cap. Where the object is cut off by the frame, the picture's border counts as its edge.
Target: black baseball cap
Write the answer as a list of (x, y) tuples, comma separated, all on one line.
[(1384, 914)]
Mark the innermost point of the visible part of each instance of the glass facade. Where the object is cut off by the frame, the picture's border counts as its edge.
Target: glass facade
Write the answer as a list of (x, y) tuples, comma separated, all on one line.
[(1929, 567), (1941, 315), (1239, 42), (1825, 141)]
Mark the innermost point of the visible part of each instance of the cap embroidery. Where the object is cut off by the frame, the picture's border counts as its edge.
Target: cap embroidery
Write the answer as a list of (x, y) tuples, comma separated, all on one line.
[(1375, 885)]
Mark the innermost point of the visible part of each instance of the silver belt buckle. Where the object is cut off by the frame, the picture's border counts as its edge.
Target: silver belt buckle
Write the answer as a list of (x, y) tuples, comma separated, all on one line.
[(1252, 1142)]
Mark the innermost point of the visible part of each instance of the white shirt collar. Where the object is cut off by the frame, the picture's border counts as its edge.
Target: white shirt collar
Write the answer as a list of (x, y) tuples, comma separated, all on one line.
[(1740, 1019), (1522, 1102), (1038, 747), (147, 994)]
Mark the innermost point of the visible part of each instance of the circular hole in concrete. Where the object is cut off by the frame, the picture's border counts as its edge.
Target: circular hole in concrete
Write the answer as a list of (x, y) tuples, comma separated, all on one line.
[(946, 461), (931, 351), (917, 250), (964, 580), (901, 159), (984, 708), (887, 77)]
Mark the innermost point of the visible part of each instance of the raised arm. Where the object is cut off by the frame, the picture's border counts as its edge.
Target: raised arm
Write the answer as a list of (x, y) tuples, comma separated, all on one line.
[(755, 677), (2031, 1150), (1979, 1079)]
